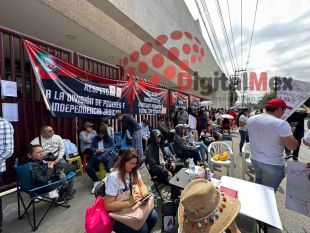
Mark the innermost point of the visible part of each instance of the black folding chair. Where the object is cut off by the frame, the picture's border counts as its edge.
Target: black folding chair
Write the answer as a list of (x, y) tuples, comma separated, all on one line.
[(159, 185), (25, 184)]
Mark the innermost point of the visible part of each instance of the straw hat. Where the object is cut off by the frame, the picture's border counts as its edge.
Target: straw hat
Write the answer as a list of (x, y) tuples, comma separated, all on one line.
[(204, 209)]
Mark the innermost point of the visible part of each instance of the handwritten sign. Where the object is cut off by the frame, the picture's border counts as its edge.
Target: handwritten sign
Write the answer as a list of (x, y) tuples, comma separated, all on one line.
[(298, 188), (295, 97)]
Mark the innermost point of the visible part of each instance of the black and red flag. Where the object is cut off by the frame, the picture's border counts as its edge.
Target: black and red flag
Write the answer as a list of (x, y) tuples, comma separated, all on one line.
[(69, 91)]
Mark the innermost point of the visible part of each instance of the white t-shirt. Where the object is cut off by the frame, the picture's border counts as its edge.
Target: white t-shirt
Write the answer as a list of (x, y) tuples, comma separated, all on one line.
[(243, 118), (52, 144), (218, 116), (265, 132), (115, 186), (307, 136)]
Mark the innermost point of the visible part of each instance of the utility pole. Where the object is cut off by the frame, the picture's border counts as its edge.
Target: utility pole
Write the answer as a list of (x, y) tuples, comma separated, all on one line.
[(243, 86)]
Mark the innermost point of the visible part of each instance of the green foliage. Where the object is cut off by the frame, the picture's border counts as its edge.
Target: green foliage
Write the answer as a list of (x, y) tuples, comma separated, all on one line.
[(268, 96)]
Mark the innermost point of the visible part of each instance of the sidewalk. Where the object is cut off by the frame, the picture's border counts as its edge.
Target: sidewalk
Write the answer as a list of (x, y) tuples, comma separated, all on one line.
[(72, 220)]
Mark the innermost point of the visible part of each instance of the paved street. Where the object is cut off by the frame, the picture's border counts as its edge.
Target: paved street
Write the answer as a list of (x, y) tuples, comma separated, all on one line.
[(72, 220)]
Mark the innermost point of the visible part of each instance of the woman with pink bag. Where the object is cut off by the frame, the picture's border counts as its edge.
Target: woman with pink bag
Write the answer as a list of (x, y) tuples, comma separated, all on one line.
[(127, 199)]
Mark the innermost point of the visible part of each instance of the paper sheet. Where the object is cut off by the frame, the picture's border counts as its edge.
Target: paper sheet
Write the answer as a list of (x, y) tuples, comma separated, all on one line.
[(10, 111), (8, 88), (257, 201)]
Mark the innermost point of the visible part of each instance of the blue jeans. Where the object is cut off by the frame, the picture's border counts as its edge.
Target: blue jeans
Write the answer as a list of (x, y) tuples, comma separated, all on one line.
[(244, 137), (146, 228), (90, 167), (202, 149), (193, 154), (269, 175), (137, 144)]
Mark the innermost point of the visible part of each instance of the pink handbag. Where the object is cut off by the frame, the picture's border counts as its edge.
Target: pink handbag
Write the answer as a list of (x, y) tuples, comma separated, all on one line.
[(135, 216), (97, 219)]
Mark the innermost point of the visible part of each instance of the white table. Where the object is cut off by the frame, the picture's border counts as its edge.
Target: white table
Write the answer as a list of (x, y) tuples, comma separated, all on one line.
[(257, 201)]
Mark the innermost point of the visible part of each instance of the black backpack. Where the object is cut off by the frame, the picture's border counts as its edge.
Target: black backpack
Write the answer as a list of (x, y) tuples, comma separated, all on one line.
[(100, 189)]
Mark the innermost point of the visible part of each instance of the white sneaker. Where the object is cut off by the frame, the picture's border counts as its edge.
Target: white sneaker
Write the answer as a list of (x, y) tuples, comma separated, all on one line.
[(95, 184)]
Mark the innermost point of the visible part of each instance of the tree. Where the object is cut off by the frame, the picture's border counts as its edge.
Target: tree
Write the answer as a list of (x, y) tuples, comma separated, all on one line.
[(266, 97)]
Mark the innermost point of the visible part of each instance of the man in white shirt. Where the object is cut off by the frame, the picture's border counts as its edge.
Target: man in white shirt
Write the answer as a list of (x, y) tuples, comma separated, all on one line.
[(268, 136), (244, 116), (6, 151), (306, 142), (307, 138), (51, 143)]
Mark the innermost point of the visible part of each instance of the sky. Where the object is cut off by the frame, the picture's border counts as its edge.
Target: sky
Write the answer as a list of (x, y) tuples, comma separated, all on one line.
[(281, 37)]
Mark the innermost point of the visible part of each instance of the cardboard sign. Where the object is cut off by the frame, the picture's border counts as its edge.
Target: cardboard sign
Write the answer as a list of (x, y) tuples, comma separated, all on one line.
[(294, 97), (298, 188)]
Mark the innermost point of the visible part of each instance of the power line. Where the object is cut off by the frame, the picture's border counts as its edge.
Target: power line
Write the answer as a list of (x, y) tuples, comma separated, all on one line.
[(232, 35), (214, 50), (219, 11), (241, 39), (205, 8), (247, 62)]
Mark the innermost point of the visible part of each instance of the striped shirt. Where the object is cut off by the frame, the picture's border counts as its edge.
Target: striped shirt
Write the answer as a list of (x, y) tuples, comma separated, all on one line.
[(6, 142)]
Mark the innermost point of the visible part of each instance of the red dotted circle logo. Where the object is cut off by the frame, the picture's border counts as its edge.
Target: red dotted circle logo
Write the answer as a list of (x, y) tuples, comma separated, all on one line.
[(149, 59)]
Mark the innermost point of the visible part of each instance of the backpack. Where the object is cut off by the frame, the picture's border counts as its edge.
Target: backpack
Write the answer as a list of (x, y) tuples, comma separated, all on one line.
[(100, 189)]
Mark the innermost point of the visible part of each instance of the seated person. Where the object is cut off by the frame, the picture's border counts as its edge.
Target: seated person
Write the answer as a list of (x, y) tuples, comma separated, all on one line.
[(164, 127), (105, 123), (182, 148), (86, 137), (45, 172), (124, 186), (160, 164), (209, 135), (51, 143), (128, 138), (203, 149), (145, 133), (102, 146)]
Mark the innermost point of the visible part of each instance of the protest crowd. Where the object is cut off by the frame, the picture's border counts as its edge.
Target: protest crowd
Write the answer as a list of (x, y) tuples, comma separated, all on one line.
[(194, 138)]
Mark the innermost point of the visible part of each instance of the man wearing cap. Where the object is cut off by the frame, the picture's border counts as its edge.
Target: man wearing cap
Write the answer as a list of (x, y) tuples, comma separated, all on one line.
[(268, 136), (130, 123), (86, 137), (182, 116)]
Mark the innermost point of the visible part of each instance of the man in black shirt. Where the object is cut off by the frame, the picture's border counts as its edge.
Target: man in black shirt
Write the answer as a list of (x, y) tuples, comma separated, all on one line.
[(297, 120), (130, 123)]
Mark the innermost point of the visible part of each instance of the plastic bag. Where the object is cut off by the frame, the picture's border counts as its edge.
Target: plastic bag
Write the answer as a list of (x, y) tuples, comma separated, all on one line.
[(97, 219), (53, 194)]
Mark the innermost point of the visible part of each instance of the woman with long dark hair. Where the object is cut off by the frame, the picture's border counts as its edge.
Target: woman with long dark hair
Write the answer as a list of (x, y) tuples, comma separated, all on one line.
[(101, 147), (124, 187)]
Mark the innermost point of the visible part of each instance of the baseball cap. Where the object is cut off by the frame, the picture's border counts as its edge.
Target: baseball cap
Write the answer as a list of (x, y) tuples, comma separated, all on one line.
[(88, 124), (157, 133), (277, 103)]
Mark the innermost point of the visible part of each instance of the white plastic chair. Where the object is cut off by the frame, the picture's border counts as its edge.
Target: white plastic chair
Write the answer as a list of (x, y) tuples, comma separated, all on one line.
[(219, 148), (246, 158)]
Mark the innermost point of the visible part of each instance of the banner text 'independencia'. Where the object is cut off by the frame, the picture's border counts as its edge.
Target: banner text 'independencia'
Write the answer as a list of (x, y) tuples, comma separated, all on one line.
[(78, 109)]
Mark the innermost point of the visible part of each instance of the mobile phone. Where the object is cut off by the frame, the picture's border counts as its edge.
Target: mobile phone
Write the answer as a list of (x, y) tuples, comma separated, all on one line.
[(146, 197)]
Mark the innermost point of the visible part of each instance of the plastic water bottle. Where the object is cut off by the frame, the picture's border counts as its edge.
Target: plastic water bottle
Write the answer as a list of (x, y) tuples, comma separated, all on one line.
[(191, 167), (201, 172)]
